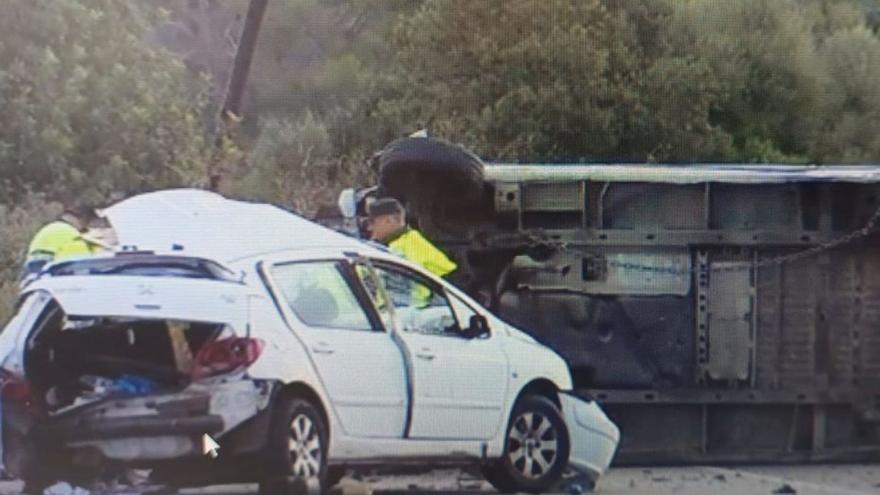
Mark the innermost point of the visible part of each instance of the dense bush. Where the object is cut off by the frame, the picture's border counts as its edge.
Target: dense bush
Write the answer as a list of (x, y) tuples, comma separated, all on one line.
[(751, 80), (89, 107), (18, 224)]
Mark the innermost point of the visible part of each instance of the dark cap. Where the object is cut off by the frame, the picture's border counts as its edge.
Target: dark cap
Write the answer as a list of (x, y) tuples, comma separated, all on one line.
[(384, 206), (82, 211)]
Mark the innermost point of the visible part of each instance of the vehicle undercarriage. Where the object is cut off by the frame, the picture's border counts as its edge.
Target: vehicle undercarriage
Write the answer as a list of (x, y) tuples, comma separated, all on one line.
[(718, 313)]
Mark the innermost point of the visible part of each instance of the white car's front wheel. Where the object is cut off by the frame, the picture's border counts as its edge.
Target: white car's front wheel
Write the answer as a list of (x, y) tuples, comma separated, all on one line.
[(536, 448)]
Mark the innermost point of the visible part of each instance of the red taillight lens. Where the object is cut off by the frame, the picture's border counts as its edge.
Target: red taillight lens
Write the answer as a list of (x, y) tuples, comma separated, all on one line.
[(226, 355), (15, 389)]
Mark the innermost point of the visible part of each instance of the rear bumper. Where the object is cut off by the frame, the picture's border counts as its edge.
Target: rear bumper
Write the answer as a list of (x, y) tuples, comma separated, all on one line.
[(74, 430), (594, 437), (156, 427)]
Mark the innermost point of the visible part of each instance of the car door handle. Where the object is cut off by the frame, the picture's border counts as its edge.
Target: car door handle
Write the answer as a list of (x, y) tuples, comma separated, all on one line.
[(425, 356), (322, 348)]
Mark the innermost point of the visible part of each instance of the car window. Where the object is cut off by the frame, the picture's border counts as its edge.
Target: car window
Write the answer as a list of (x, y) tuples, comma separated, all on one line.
[(463, 312), (369, 284), (419, 305), (320, 296)]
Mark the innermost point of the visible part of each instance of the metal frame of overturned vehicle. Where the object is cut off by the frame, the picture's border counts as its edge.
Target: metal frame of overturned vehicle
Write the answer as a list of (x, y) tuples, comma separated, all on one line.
[(298, 351), (719, 312)]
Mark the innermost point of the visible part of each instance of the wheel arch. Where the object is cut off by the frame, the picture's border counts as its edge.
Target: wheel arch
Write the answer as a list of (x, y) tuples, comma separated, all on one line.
[(542, 387), (300, 390)]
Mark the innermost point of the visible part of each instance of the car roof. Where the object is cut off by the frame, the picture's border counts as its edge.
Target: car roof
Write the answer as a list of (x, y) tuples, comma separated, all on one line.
[(206, 224)]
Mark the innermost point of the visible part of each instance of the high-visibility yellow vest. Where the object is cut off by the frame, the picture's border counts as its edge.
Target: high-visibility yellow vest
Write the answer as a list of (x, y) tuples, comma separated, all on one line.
[(59, 240), (412, 245)]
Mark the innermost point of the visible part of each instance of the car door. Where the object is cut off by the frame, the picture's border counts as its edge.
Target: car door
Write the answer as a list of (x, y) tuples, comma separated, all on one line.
[(360, 367), (458, 384)]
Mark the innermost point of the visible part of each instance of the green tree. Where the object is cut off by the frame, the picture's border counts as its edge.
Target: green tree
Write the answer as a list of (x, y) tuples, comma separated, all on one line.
[(549, 80), (89, 106), (293, 164), (751, 80), (851, 110)]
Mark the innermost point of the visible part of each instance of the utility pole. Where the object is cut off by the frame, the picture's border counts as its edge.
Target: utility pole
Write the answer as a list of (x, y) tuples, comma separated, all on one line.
[(230, 113)]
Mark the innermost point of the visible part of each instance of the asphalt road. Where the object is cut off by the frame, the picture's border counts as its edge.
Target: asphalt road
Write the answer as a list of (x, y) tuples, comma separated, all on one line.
[(693, 480)]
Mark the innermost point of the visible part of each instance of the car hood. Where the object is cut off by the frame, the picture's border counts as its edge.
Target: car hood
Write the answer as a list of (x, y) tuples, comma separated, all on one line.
[(150, 297)]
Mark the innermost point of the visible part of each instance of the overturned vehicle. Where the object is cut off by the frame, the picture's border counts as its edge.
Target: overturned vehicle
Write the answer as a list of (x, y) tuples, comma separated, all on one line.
[(718, 312), (283, 352)]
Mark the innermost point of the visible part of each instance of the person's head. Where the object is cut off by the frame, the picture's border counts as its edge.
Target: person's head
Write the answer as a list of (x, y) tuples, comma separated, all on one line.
[(387, 216), (80, 215)]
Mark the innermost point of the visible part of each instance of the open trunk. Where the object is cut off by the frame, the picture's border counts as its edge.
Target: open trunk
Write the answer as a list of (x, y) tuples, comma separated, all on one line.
[(70, 361)]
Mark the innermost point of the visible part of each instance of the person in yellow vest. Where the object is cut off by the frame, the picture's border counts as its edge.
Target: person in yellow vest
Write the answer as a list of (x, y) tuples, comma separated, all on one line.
[(62, 239), (387, 222), (388, 226)]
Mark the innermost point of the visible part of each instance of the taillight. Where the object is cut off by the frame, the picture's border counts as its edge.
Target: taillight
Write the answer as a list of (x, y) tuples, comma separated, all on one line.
[(226, 356), (15, 389)]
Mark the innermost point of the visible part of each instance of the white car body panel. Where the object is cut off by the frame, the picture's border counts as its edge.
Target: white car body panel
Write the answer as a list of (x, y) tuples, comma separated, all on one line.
[(13, 339), (365, 377), (594, 437), (207, 224), (150, 297), (460, 387), (462, 396)]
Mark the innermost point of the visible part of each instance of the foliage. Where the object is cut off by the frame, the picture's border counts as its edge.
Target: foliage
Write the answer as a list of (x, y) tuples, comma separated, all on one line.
[(89, 107), (581, 84), (750, 80), (293, 164), (18, 224)]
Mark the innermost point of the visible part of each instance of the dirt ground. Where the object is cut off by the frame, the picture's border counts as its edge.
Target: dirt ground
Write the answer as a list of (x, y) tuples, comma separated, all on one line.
[(845, 479)]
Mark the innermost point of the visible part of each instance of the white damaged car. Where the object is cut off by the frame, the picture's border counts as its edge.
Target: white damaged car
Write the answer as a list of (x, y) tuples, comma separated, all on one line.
[(298, 350)]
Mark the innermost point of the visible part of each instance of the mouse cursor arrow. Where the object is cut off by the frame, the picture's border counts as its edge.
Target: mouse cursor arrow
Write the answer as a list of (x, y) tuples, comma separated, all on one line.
[(209, 446)]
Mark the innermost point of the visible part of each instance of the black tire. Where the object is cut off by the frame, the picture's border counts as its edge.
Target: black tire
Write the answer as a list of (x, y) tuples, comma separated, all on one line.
[(429, 168), (33, 487), (335, 475), (298, 420), (531, 467)]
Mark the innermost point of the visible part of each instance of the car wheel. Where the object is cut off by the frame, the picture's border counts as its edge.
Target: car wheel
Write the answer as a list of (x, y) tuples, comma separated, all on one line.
[(413, 168), (297, 449), (536, 448)]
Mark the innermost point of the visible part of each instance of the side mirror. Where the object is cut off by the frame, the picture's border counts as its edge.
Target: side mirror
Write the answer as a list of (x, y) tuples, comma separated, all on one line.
[(477, 327)]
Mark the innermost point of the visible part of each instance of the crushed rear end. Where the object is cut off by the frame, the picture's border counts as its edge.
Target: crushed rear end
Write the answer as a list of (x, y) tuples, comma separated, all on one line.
[(111, 373)]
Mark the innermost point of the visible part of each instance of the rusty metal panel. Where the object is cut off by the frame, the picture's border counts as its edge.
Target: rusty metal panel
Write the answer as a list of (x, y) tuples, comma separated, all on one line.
[(737, 207), (729, 317), (553, 196), (563, 272), (507, 197), (839, 311), (797, 352), (768, 289), (867, 328), (653, 207)]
